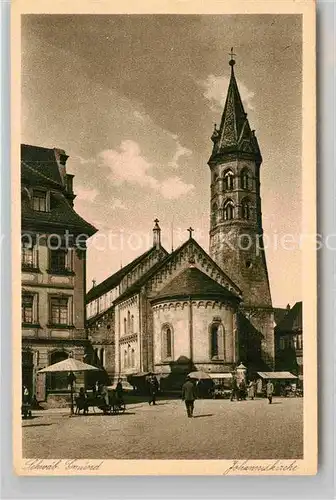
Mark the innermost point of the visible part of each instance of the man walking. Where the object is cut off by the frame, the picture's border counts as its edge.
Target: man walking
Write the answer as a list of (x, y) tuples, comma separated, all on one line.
[(234, 389), (153, 389), (269, 391), (189, 396)]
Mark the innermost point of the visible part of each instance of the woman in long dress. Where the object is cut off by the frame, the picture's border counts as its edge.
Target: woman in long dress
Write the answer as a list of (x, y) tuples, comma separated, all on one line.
[(252, 389)]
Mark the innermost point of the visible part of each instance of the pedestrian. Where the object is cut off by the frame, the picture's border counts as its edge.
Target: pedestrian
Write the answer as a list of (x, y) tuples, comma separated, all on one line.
[(82, 402), (153, 389), (252, 389), (25, 395), (269, 391), (234, 389), (104, 393), (189, 396), (119, 391), (242, 390)]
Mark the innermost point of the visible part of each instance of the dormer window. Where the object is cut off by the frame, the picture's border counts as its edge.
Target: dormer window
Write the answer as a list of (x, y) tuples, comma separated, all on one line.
[(39, 201)]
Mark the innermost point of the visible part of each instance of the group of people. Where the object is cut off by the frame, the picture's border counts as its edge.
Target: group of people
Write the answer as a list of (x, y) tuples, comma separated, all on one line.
[(99, 391), (241, 390)]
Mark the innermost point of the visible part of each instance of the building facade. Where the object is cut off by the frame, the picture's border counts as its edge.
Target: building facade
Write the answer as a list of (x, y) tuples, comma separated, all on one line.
[(289, 341), (53, 261)]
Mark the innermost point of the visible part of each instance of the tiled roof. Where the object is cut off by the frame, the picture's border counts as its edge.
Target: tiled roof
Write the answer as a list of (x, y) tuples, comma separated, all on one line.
[(39, 169), (61, 214), (279, 314), (115, 279), (142, 281), (293, 320), (42, 161), (193, 282)]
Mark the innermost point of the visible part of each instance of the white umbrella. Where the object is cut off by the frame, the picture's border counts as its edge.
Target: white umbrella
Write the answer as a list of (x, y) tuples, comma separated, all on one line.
[(199, 375), (69, 365)]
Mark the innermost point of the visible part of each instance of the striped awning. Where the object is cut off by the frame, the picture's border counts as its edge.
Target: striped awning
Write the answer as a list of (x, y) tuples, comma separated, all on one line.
[(220, 375), (277, 375)]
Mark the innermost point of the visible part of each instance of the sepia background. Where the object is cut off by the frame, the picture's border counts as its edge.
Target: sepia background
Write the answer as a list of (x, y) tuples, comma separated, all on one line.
[(133, 100)]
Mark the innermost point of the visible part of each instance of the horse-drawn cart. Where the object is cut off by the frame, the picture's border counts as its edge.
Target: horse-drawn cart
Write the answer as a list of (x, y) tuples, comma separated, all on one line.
[(114, 405)]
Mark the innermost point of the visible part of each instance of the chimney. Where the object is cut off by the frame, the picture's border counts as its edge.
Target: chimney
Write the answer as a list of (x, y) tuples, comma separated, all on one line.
[(156, 234), (61, 159)]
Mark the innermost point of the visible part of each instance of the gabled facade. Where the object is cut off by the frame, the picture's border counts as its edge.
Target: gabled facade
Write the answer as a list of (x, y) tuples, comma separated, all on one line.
[(102, 315), (53, 259)]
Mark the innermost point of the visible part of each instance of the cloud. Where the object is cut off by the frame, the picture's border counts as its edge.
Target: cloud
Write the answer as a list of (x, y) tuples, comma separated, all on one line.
[(215, 88), (116, 203), (142, 117), (127, 165), (86, 194), (83, 161), (180, 151), (173, 188)]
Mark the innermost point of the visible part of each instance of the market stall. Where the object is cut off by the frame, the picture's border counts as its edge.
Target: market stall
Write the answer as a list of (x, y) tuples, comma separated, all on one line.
[(284, 382)]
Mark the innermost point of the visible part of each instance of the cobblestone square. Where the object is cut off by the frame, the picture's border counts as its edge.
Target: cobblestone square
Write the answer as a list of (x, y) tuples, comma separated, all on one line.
[(220, 429)]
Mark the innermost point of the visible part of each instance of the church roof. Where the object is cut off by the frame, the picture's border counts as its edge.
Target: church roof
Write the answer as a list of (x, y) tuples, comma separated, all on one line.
[(194, 283), (292, 321), (115, 279), (151, 272), (234, 134)]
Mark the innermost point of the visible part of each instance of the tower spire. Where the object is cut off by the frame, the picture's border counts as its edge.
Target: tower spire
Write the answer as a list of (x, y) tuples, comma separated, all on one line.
[(234, 134)]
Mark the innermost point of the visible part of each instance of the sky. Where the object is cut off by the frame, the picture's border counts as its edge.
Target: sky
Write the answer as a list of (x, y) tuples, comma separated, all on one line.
[(133, 99)]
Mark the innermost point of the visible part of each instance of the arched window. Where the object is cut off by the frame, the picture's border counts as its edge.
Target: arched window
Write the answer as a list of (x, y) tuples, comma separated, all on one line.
[(244, 179), (132, 358), (214, 210), (128, 322), (216, 341), (125, 358), (102, 357), (125, 326), (132, 324), (58, 381), (246, 212), (167, 342), (228, 210), (228, 180)]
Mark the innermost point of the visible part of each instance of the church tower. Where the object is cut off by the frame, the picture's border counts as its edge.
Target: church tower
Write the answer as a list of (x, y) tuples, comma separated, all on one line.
[(236, 234)]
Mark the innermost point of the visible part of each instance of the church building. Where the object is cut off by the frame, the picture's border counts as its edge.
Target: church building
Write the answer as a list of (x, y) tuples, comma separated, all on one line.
[(172, 313)]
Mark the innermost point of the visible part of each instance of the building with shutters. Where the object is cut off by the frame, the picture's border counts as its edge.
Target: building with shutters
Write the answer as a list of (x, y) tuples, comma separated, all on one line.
[(53, 261)]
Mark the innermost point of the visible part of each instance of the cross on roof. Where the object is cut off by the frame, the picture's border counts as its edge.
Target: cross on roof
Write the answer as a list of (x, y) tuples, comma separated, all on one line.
[(156, 221), (190, 230), (232, 53), (93, 283)]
